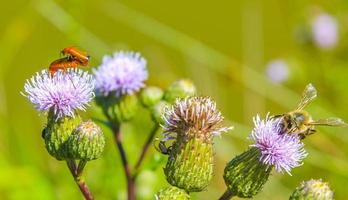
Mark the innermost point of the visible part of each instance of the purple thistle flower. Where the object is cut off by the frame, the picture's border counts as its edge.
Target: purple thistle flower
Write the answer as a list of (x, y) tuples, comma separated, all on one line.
[(122, 73), (198, 114), (325, 31), (283, 151), (63, 93)]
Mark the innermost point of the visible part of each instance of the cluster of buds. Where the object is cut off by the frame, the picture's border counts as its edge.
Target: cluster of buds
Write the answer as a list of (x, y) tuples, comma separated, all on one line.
[(189, 123), (157, 100), (66, 135)]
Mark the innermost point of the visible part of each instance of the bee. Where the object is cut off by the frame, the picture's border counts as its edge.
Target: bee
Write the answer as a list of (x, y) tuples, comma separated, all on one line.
[(63, 64), (76, 54), (300, 122)]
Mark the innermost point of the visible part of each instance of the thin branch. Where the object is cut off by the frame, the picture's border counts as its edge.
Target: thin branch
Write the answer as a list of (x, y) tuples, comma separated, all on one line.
[(127, 170), (77, 174), (145, 148)]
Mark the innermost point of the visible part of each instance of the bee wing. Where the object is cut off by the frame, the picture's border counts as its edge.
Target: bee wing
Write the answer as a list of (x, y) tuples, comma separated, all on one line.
[(308, 95), (330, 122)]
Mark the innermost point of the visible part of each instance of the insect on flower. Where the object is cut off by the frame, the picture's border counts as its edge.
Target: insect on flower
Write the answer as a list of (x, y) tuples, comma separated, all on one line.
[(300, 122), (74, 59), (76, 54), (63, 64), (162, 148)]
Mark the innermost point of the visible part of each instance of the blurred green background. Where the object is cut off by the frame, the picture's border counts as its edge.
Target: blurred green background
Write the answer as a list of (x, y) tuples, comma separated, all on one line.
[(223, 46)]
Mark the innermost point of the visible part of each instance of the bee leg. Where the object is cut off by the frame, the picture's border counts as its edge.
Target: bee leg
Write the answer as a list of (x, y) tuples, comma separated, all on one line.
[(311, 131), (276, 116), (304, 134)]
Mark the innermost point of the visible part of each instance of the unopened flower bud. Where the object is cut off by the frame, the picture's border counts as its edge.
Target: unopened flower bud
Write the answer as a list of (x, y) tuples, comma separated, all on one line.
[(151, 96), (158, 110), (171, 193), (192, 123), (179, 89), (119, 109), (245, 175), (86, 142), (312, 190), (56, 134)]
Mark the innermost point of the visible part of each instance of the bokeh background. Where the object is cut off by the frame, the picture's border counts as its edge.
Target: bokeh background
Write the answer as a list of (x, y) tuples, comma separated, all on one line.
[(250, 56)]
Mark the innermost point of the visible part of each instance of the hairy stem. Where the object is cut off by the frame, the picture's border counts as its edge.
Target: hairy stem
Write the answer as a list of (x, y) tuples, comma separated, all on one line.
[(76, 172), (145, 148), (127, 170), (227, 195)]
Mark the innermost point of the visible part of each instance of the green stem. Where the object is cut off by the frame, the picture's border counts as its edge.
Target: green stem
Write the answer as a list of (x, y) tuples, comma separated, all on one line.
[(227, 195), (77, 174), (145, 148), (115, 126), (126, 167)]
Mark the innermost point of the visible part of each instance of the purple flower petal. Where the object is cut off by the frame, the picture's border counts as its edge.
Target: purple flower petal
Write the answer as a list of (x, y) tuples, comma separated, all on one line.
[(64, 92), (122, 73), (283, 151)]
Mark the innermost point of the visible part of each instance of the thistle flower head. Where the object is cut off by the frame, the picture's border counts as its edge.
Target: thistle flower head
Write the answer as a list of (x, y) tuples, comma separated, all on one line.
[(122, 73), (193, 115), (283, 151), (313, 189), (63, 93)]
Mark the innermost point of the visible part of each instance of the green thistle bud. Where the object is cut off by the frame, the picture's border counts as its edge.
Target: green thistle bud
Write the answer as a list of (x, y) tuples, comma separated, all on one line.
[(158, 110), (119, 109), (171, 193), (151, 96), (190, 164), (194, 121), (56, 134), (86, 142), (245, 175), (312, 190), (179, 89)]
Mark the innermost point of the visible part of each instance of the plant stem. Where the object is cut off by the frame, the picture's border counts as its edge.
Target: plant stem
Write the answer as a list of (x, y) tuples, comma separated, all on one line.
[(127, 170), (227, 195), (146, 147), (77, 174)]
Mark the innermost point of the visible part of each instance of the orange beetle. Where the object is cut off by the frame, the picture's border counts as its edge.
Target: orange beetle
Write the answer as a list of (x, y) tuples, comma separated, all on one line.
[(64, 64), (76, 54)]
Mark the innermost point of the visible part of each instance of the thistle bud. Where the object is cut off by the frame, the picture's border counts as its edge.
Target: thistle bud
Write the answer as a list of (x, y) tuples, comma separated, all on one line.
[(157, 111), (120, 109), (151, 96), (57, 133), (246, 174), (86, 142), (312, 190), (171, 193), (192, 123), (179, 89)]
